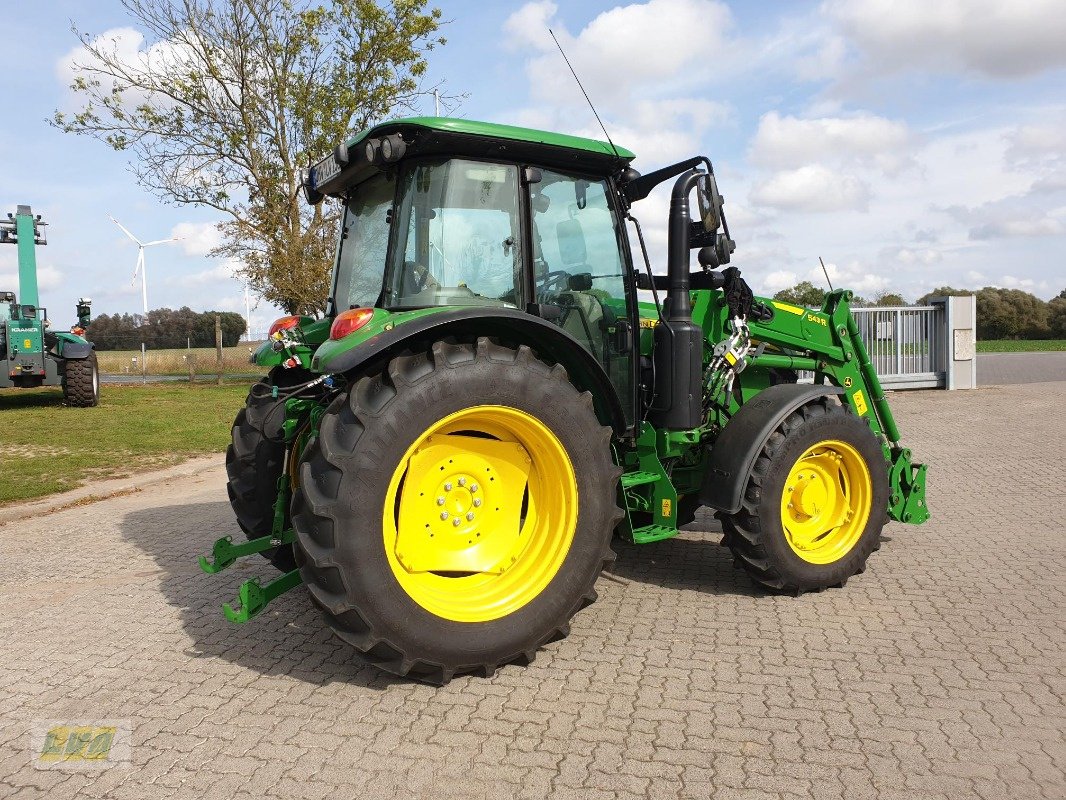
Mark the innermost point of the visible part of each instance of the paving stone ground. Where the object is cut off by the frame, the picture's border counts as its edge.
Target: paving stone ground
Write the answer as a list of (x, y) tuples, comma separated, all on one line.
[(939, 673)]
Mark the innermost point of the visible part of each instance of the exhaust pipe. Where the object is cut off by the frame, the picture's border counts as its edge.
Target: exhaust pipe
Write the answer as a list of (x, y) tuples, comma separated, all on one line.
[(678, 341)]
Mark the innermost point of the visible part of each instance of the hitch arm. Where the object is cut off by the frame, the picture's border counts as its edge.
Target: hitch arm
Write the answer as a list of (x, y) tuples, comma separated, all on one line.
[(252, 596), (225, 552)]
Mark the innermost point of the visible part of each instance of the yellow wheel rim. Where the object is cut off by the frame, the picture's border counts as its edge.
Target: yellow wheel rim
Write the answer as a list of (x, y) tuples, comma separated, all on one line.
[(480, 513), (825, 503)]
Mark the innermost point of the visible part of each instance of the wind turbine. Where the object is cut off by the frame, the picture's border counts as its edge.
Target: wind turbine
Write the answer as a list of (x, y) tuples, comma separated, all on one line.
[(141, 267)]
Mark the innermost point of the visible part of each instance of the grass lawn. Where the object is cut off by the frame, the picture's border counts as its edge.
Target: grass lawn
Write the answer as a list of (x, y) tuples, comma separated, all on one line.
[(50, 448), (1020, 345)]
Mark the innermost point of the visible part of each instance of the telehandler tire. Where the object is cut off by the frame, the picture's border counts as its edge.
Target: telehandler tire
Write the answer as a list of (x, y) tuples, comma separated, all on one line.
[(254, 462), (456, 509), (81, 381), (814, 504)]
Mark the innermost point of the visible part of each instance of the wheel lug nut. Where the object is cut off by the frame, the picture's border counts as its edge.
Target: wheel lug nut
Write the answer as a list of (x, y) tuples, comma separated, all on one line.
[(473, 487), (448, 486), (469, 514), (444, 515), (456, 522), (440, 501), (477, 502), (462, 481)]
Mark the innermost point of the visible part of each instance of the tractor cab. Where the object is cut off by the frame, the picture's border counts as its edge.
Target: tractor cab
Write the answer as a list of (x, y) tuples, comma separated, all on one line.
[(463, 215)]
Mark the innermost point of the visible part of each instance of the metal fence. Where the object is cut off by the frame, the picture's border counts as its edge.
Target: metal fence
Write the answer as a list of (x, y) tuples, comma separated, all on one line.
[(907, 345), (131, 364)]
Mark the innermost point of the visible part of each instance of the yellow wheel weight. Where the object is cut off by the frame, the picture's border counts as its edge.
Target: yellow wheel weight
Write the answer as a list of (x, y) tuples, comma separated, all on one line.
[(480, 513), (825, 503)]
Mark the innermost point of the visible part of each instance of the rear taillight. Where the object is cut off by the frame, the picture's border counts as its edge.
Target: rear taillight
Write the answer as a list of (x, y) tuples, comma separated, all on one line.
[(284, 324), (349, 322)]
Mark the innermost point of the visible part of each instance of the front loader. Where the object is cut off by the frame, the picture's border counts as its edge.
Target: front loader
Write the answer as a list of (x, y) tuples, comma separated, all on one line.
[(443, 458)]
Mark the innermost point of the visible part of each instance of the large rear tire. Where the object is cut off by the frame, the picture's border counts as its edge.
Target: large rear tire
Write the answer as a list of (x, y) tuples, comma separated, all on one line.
[(254, 461), (81, 381), (455, 510), (814, 504)]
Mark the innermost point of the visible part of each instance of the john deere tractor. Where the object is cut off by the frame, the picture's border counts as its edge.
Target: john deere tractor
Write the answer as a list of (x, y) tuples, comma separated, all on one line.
[(31, 355), (444, 457)]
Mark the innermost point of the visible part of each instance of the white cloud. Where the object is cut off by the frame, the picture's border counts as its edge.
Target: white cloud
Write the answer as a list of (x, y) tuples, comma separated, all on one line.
[(48, 278), (655, 108), (652, 42), (1011, 217), (223, 272), (197, 238), (812, 188), (126, 46), (855, 275), (778, 280), (789, 142), (995, 38)]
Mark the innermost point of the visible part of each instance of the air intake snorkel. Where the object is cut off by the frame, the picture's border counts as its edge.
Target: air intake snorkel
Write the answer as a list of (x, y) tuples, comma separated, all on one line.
[(678, 341)]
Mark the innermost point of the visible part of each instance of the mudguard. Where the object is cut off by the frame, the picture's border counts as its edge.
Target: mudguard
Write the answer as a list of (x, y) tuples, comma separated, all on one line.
[(508, 326), (75, 350), (740, 442)]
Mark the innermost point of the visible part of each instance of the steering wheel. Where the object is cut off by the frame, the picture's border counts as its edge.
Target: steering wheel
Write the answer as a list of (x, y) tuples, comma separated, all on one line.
[(555, 280), (419, 276)]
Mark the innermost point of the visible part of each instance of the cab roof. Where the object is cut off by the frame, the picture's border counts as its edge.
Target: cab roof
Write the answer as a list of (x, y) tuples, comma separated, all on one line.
[(464, 136)]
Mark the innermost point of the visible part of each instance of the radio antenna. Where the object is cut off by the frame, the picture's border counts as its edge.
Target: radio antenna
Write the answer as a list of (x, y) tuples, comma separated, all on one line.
[(826, 273), (582, 88)]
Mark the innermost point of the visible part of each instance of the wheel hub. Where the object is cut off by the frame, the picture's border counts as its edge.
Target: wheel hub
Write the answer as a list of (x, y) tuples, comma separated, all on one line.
[(461, 505), (480, 513), (825, 503)]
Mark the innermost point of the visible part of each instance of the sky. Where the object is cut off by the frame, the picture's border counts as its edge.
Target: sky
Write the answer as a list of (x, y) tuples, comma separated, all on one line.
[(910, 144)]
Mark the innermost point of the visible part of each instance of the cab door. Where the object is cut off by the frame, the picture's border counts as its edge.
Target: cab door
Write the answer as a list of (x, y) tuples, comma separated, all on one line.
[(579, 266)]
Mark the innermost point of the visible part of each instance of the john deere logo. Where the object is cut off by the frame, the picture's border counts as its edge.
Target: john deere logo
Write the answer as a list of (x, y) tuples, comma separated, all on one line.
[(847, 383)]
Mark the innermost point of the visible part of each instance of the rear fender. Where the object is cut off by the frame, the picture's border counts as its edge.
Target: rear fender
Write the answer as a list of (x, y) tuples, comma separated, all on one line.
[(73, 348), (734, 452), (508, 327)]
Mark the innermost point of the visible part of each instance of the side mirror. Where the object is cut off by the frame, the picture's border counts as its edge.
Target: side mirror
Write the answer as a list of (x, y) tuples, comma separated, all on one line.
[(710, 202)]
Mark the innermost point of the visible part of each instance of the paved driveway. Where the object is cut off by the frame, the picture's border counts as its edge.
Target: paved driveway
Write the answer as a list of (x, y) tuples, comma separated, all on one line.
[(997, 369), (939, 673)]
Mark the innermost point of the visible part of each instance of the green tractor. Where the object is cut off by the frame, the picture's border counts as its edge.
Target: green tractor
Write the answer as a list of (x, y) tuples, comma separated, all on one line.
[(31, 355), (444, 458)]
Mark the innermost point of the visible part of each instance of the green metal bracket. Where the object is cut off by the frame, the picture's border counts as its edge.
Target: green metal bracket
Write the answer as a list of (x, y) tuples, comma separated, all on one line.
[(907, 484), (253, 597), (225, 552)]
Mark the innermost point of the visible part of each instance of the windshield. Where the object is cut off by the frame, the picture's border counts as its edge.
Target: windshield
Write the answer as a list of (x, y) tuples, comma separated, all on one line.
[(364, 244), (457, 236)]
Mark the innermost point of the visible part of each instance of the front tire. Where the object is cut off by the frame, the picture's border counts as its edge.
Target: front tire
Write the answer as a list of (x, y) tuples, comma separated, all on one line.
[(814, 504), (81, 381), (455, 510)]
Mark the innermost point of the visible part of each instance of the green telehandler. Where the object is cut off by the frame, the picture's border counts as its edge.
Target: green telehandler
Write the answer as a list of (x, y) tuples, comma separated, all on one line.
[(444, 457), (31, 355)]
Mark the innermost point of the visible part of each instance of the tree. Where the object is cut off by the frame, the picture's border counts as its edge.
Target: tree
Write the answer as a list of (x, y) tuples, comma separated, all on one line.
[(802, 294), (235, 97), (943, 291), (885, 299), (165, 328), (1056, 316)]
